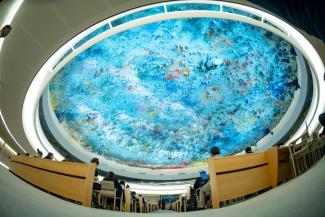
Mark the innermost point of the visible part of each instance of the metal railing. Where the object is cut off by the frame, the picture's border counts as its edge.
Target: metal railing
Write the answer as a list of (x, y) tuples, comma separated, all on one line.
[(305, 154)]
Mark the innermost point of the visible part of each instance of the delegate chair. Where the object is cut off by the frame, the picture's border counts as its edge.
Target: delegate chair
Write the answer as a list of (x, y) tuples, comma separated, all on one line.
[(108, 191), (140, 204)]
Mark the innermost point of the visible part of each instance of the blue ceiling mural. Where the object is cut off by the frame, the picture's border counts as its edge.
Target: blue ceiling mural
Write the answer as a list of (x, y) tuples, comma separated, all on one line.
[(162, 94)]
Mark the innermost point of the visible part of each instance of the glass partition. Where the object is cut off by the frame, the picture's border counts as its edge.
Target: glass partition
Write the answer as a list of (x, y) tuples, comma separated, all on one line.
[(137, 15), (192, 6), (96, 32), (239, 12), (63, 57)]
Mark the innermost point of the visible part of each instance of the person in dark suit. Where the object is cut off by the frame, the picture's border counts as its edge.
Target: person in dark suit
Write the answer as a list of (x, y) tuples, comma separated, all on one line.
[(110, 176)]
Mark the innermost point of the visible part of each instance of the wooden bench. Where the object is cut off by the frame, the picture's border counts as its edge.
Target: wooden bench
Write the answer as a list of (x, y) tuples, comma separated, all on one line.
[(69, 180), (237, 176)]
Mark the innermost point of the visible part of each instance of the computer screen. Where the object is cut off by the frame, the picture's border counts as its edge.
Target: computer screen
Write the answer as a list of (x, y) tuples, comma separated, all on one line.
[(204, 175)]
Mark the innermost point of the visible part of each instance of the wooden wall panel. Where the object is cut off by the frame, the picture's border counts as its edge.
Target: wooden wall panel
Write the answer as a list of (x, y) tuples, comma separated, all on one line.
[(77, 169), (241, 183), (70, 180), (65, 186), (239, 162), (236, 176)]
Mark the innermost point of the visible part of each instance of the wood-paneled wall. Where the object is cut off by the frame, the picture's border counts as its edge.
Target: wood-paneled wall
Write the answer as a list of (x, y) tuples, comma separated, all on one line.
[(70, 180), (237, 176)]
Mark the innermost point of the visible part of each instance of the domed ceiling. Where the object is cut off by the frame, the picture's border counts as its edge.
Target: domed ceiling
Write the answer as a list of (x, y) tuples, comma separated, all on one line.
[(162, 94)]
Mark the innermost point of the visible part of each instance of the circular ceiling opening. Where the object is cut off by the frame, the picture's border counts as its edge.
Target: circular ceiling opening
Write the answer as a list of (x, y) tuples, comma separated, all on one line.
[(162, 94), (149, 91)]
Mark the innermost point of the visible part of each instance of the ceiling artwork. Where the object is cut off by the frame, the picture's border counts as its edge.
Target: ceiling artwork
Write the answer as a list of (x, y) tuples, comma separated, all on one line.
[(162, 94)]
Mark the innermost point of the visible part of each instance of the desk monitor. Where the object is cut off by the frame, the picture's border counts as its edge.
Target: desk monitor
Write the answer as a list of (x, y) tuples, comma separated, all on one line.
[(204, 176)]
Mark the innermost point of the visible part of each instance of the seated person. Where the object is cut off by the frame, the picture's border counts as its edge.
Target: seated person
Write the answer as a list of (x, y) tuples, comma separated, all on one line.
[(214, 151), (67, 158), (39, 154), (122, 184), (201, 181), (110, 176), (133, 193), (49, 156), (163, 204), (248, 150), (96, 185)]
